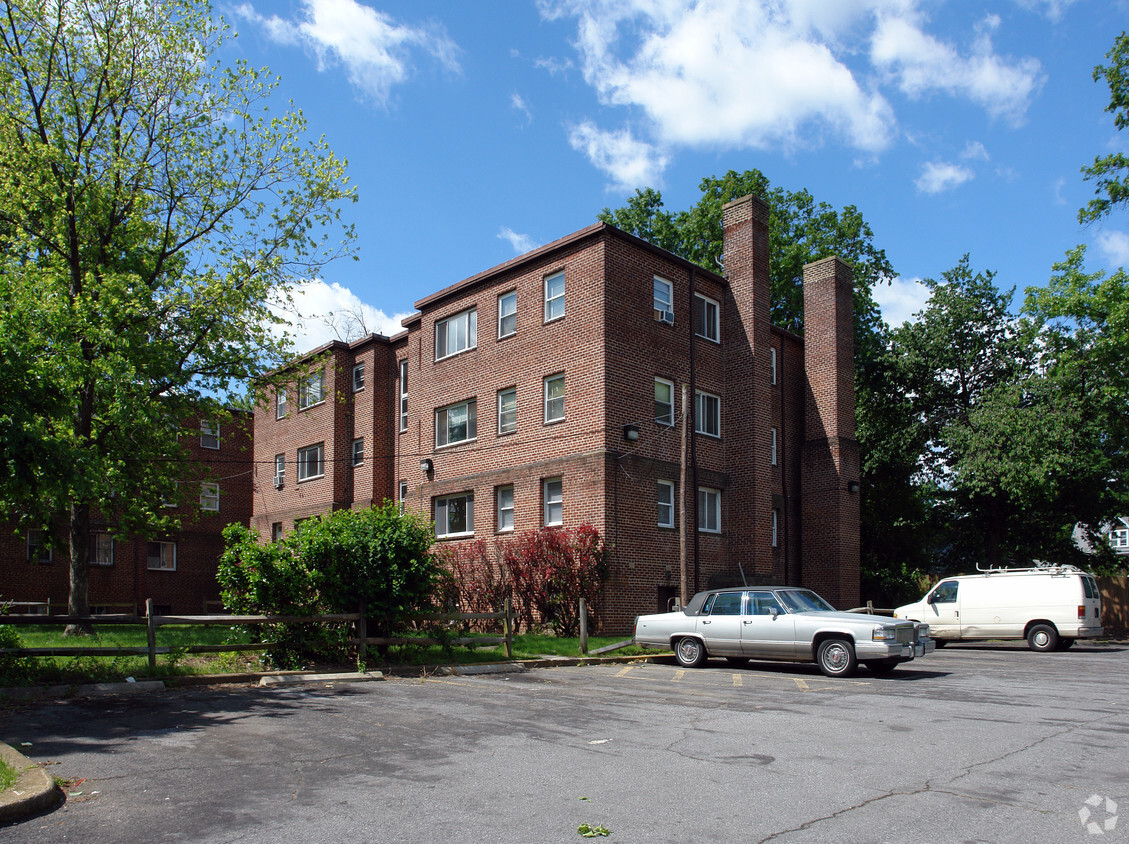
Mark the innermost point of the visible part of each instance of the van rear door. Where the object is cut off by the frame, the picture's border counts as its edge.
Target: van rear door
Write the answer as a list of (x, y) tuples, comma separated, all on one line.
[(1091, 603)]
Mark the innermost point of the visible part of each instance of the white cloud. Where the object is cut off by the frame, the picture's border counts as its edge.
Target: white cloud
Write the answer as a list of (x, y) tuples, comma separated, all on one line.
[(901, 299), (975, 151), (521, 243), (938, 176), (317, 307), (518, 103), (374, 49), (1053, 9), (1115, 247), (922, 64), (631, 163)]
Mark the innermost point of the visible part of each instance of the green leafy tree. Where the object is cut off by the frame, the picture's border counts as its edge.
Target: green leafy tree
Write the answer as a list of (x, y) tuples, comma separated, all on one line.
[(1111, 172), (151, 209), (378, 559)]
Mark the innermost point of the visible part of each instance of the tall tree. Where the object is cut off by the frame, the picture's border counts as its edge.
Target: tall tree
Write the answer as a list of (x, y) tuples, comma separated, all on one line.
[(1111, 172), (151, 209)]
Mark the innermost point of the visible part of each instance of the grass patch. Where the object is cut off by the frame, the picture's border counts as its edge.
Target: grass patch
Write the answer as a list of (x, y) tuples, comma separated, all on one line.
[(8, 776), (526, 646)]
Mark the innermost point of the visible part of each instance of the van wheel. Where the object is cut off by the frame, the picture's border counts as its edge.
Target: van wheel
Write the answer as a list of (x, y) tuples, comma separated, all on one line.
[(836, 657), (1064, 644), (691, 653), (1042, 637)]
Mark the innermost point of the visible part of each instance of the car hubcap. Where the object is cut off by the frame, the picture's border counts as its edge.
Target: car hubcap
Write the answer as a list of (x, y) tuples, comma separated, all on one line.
[(836, 657), (688, 651)]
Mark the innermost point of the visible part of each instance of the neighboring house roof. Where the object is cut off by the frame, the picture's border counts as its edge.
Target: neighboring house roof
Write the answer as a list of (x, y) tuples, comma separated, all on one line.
[(1116, 534)]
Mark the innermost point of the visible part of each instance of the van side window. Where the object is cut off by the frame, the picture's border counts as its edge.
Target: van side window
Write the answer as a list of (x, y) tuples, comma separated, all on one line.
[(1089, 587), (945, 593)]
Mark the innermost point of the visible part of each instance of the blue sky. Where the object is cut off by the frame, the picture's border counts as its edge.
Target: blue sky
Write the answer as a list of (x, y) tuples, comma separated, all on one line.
[(477, 130)]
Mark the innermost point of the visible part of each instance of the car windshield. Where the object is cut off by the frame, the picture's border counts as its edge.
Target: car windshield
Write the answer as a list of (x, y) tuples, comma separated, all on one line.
[(804, 600)]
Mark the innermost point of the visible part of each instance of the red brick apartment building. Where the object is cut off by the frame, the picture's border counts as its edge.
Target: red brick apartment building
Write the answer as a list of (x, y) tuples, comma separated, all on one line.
[(178, 572), (548, 390)]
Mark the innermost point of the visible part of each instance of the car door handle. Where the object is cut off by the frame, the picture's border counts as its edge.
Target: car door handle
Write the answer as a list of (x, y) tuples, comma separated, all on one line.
[(705, 621)]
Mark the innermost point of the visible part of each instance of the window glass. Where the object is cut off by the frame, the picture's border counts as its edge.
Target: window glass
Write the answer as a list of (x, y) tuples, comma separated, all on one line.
[(454, 515), (772, 455), (456, 334), (507, 411), (161, 556), (101, 549), (666, 503), (709, 510), (772, 363), (554, 297), (358, 377), (505, 508), (210, 497), (945, 592), (358, 451), (727, 603), (554, 501), (403, 395), (280, 403), (664, 402), (209, 434), (707, 414), (664, 300), (706, 318), (457, 423), (279, 468), (507, 314), (555, 398), (763, 603), (311, 390), (311, 462)]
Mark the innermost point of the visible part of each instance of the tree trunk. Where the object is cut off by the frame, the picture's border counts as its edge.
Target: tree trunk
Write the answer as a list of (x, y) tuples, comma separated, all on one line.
[(78, 602)]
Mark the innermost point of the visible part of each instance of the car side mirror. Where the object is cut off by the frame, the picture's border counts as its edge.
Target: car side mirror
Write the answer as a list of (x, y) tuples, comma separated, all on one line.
[(775, 613)]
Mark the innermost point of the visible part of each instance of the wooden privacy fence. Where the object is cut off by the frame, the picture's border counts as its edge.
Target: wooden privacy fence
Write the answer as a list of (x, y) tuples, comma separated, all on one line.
[(1115, 603)]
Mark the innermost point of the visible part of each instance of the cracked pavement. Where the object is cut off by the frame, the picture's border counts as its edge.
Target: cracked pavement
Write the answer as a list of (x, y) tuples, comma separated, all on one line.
[(973, 743)]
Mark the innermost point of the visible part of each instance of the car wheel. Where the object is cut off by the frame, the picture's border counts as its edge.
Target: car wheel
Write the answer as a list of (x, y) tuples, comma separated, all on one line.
[(836, 657), (1042, 637), (691, 653), (737, 661), (881, 667), (1064, 644)]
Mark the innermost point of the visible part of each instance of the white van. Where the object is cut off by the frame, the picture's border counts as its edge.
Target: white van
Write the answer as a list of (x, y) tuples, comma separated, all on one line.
[(1050, 607)]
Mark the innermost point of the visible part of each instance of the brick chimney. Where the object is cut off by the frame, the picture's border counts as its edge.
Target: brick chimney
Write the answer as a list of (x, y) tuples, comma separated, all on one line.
[(830, 462)]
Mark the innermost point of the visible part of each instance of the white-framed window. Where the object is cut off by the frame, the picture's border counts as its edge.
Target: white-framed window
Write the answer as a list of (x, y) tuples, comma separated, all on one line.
[(1119, 539), (38, 551), (706, 318), (664, 401), (209, 434), (358, 451), (280, 403), (555, 398), (454, 515), (456, 333), (403, 496), (665, 494), (709, 510), (553, 491), (276, 532), (358, 377), (554, 296), (456, 423), (311, 462), (404, 395), (101, 549), (775, 527), (772, 363), (664, 300), (507, 410), (173, 499), (279, 470), (160, 556), (772, 447), (707, 414), (311, 390), (505, 499), (210, 497), (507, 314)]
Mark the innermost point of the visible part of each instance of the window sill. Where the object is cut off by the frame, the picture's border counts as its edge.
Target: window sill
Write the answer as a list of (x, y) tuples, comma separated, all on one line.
[(507, 433), (554, 319), (708, 339), (311, 478), (311, 406), (447, 536), (555, 421), (456, 354), (454, 444)]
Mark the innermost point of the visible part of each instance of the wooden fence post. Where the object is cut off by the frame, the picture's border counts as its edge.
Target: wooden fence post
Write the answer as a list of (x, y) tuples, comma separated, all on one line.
[(508, 627), (583, 627), (152, 631)]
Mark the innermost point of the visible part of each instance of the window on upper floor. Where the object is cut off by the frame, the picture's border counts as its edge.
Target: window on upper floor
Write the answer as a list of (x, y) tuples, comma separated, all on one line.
[(38, 549), (160, 556), (664, 300), (404, 395), (311, 462), (664, 401), (706, 318), (772, 448), (454, 515), (707, 414), (456, 423), (553, 494), (101, 549), (709, 510), (554, 296), (772, 364), (279, 470), (1119, 539), (358, 377), (775, 528), (311, 390), (358, 451), (280, 403), (456, 333), (507, 314), (665, 494), (210, 497), (507, 410), (505, 497), (555, 398), (209, 434)]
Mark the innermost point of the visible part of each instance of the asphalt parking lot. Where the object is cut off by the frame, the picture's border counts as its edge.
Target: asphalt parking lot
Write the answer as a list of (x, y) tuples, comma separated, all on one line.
[(973, 743)]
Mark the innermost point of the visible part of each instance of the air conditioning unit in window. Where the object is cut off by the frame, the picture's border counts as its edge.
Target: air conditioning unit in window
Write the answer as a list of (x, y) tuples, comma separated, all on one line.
[(664, 316), (278, 479)]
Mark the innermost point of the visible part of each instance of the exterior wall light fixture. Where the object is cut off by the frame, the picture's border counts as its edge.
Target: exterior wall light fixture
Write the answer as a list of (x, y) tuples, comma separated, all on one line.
[(853, 487), (631, 433), (426, 465)]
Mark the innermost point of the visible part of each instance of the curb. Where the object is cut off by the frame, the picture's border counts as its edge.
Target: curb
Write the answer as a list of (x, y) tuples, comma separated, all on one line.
[(294, 679), (33, 792)]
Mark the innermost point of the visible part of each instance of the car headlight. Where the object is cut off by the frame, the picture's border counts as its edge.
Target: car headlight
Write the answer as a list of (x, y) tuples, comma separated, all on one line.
[(923, 631), (884, 634)]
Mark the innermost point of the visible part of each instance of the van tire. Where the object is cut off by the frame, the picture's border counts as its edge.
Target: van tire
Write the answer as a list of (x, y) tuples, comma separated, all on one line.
[(1042, 637), (1064, 644)]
